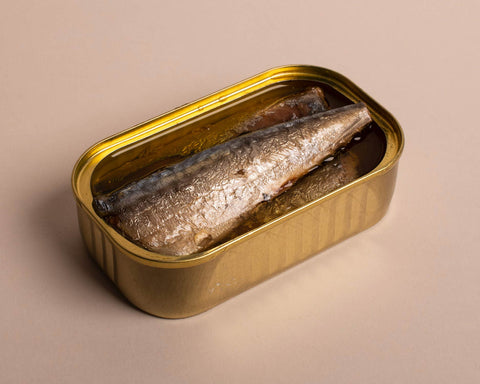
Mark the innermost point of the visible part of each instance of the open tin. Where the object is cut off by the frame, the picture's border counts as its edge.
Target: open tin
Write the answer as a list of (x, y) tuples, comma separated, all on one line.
[(176, 287)]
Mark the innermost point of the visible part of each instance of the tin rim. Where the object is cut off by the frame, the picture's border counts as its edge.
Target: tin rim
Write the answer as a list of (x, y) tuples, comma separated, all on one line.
[(84, 167)]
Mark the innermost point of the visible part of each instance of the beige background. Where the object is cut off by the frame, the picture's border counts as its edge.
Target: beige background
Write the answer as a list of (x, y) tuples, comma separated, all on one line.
[(399, 303)]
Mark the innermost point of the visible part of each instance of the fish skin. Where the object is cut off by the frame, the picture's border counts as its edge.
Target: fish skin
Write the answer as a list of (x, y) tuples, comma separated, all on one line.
[(331, 175), (194, 204)]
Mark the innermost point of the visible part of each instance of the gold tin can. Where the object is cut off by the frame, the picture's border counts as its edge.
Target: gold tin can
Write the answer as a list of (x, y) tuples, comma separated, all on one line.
[(177, 287)]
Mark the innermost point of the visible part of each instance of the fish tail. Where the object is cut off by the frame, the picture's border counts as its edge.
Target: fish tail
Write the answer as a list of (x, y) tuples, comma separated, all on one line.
[(104, 206)]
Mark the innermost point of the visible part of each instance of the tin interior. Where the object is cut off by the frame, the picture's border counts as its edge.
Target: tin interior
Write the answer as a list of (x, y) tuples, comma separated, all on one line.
[(170, 137), (140, 158)]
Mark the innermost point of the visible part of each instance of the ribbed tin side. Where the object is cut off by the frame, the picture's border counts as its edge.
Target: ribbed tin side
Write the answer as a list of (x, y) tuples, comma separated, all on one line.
[(99, 246)]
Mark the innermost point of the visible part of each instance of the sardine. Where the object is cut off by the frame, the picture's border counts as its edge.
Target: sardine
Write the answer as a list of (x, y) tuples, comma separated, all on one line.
[(290, 107), (337, 172), (188, 207)]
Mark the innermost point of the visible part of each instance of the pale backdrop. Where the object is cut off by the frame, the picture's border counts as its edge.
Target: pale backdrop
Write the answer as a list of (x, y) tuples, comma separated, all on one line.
[(399, 303)]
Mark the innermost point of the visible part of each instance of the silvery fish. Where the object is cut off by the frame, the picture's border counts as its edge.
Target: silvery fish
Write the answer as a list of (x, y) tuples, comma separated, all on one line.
[(190, 206), (305, 103)]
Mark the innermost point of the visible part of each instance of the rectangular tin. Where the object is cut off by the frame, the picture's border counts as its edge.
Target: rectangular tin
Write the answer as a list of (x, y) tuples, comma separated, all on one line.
[(176, 287)]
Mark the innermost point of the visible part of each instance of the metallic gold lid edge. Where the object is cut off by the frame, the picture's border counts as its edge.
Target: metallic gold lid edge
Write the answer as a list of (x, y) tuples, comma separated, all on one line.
[(93, 155)]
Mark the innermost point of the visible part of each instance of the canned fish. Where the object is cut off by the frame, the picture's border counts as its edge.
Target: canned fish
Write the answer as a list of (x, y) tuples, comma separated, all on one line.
[(350, 191)]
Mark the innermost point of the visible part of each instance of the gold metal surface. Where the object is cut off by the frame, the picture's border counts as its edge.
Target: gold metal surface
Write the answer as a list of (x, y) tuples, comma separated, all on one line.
[(176, 287)]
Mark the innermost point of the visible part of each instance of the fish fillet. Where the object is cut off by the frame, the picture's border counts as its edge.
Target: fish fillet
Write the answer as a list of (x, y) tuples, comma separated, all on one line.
[(192, 205)]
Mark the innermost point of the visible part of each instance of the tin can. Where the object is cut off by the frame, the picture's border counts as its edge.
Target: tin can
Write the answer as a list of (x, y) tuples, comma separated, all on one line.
[(177, 287)]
